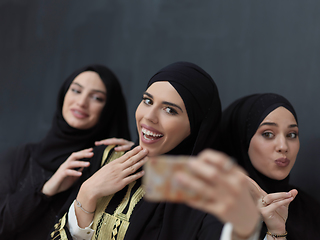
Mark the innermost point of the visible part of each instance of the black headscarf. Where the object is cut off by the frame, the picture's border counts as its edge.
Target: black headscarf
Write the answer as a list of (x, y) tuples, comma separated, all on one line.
[(239, 123), (201, 98), (163, 221), (62, 139)]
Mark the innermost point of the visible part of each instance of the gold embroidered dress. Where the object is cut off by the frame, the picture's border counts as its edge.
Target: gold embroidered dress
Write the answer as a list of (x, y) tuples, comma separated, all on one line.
[(108, 226)]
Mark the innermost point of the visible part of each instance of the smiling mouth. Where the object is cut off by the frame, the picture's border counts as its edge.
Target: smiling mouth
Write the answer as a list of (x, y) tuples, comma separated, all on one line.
[(79, 114), (148, 135)]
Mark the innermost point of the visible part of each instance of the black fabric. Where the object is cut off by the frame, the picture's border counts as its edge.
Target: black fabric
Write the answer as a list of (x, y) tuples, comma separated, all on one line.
[(201, 98), (239, 123), (164, 220), (63, 139), (25, 213)]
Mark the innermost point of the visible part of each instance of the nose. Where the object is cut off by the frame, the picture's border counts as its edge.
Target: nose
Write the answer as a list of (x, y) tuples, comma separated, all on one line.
[(82, 100), (282, 145), (152, 114)]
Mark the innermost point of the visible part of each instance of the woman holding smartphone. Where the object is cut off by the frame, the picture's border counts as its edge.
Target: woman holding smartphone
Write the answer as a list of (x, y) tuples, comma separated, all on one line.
[(179, 114)]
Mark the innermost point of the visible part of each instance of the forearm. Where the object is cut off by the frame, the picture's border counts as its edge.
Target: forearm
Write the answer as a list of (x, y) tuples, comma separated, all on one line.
[(85, 206), (21, 208)]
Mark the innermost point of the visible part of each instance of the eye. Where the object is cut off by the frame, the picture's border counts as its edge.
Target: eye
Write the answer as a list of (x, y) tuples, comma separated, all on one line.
[(75, 90), (268, 135), (97, 98), (170, 110), (292, 135), (147, 101)]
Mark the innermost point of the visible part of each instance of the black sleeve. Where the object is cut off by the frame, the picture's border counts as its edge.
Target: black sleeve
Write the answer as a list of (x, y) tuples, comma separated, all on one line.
[(21, 200), (211, 228)]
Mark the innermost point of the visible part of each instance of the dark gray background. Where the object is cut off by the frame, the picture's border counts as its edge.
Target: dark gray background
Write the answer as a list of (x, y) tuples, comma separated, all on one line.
[(246, 46)]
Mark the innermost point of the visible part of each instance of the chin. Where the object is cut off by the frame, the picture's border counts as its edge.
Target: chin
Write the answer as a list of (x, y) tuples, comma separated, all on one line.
[(280, 176)]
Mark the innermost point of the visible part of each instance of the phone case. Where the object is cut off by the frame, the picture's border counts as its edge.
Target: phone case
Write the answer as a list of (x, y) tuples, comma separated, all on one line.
[(158, 182)]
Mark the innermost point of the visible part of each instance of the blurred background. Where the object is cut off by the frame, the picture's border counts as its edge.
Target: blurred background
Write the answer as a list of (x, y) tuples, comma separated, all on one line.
[(246, 46)]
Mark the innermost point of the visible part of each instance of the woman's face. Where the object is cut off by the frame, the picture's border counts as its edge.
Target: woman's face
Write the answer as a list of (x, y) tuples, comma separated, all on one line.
[(162, 119), (84, 100), (274, 147)]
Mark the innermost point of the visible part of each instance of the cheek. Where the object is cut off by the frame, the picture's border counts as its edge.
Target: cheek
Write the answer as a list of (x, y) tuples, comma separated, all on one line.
[(97, 110), (295, 149), (138, 114), (257, 153), (179, 130), (66, 103)]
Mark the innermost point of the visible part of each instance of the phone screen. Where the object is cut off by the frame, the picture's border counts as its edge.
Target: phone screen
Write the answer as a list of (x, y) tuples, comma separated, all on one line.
[(158, 182)]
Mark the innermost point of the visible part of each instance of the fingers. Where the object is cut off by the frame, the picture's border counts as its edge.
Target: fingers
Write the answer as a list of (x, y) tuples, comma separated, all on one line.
[(124, 144), (86, 153), (275, 197), (124, 147), (275, 205), (133, 156), (294, 192), (73, 173), (78, 164), (194, 186)]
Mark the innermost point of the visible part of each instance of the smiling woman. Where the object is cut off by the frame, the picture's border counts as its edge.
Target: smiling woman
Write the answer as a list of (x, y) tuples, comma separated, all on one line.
[(162, 119), (179, 114), (90, 106), (84, 100)]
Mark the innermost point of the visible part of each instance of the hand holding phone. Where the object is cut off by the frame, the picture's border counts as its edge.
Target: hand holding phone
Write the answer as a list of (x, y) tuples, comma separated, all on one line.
[(158, 181)]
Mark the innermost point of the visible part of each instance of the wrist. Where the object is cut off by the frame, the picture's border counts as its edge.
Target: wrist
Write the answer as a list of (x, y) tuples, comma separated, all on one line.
[(281, 236), (247, 228), (252, 235), (46, 189), (87, 197)]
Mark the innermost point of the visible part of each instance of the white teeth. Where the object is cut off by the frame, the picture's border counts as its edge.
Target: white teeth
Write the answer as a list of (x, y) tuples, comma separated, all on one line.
[(147, 132)]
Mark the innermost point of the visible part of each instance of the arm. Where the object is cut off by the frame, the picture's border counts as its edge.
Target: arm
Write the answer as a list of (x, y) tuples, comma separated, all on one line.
[(273, 208), (22, 203), (221, 189), (66, 175), (117, 174), (29, 197)]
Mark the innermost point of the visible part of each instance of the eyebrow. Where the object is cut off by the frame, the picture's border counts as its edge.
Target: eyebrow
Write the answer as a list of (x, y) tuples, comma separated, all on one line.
[(95, 90), (164, 102), (276, 125)]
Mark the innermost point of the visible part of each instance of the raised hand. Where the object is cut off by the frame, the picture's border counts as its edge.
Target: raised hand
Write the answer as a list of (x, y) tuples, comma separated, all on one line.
[(273, 207), (67, 174), (110, 179), (124, 145), (222, 190)]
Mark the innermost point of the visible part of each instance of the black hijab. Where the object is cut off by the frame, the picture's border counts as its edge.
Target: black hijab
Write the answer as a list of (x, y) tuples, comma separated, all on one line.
[(239, 123), (201, 98), (164, 221), (62, 139)]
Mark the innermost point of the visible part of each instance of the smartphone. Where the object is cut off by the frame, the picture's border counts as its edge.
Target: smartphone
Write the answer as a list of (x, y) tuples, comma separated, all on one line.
[(158, 181)]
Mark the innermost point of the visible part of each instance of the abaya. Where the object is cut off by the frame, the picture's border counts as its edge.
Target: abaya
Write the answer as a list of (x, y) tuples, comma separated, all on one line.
[(239, 123), (165, 221), (26, 213)]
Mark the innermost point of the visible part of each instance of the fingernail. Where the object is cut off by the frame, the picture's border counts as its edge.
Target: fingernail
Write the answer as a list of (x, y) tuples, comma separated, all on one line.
[(288, 193)]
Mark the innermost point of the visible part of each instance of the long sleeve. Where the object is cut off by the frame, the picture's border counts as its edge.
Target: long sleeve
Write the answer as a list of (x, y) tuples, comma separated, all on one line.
[(21, 200), (76, 232)]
